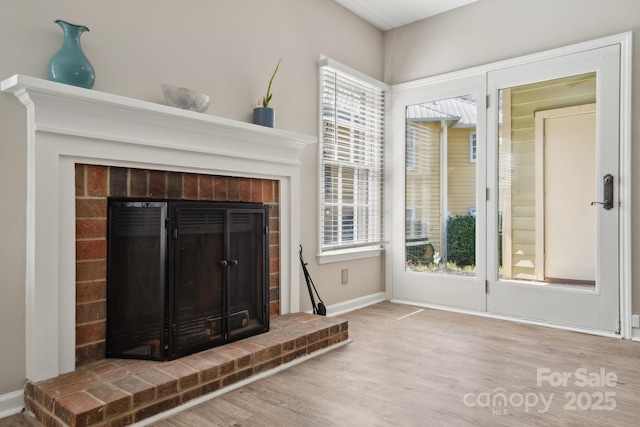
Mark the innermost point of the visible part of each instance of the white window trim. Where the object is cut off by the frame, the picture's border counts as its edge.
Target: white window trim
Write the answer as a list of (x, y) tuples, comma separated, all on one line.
[(350, 253)]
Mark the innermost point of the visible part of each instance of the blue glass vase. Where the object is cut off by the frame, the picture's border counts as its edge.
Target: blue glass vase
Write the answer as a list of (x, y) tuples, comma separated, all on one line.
[(69, 65)]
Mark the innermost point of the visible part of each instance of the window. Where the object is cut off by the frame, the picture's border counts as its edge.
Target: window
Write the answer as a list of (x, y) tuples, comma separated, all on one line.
[(473, 147), (410, 155), (351, 160)]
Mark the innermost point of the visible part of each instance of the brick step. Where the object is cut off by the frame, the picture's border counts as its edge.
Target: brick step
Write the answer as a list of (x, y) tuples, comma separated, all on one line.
[(119, 392)]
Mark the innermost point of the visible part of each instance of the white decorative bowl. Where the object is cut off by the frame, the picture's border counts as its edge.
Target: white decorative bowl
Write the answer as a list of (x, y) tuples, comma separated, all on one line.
[(184, 98)]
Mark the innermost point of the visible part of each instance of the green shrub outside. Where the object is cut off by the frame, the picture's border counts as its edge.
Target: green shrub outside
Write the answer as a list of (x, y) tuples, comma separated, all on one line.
[(461, 240)]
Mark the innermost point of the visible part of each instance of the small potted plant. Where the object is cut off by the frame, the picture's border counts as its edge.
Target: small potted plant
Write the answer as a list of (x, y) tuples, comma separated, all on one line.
[(263, 114)]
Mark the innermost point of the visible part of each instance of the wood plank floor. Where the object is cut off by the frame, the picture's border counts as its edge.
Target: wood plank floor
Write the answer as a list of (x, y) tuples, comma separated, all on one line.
[(409, 366)]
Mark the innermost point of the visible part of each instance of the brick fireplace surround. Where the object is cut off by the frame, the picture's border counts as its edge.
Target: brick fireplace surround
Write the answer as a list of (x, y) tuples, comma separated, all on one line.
[(85, 145), (95, 183)]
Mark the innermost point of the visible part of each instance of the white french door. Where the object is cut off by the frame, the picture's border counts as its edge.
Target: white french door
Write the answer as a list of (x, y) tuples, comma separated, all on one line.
[(442, 157), (520, 168), (553, 168)]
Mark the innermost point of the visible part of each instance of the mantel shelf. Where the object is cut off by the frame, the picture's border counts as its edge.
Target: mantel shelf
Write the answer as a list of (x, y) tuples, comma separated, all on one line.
[(30, 89)]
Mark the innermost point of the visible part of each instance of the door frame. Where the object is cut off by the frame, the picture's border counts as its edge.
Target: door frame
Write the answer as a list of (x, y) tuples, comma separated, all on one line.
[(395, 171)]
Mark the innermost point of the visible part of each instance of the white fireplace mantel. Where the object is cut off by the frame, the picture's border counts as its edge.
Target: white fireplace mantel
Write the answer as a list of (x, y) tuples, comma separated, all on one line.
[(69, 125)]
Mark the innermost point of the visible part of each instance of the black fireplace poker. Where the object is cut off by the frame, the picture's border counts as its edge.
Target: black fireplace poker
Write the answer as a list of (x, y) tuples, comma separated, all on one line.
[(320, 307)]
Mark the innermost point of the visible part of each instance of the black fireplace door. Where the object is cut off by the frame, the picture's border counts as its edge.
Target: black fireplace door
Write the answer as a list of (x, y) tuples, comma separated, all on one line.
[(136, 280), (247, 272), (218, 277), (185, 276), (197, 288)]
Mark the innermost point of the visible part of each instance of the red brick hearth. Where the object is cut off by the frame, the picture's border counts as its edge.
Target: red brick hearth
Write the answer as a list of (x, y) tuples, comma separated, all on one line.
[(94, 184), (118, 392)]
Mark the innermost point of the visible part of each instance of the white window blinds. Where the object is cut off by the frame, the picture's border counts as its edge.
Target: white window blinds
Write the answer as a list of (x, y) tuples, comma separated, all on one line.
[(352, 161)]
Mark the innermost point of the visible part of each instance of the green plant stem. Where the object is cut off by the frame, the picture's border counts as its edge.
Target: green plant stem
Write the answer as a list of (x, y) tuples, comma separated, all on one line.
[(267, 98)]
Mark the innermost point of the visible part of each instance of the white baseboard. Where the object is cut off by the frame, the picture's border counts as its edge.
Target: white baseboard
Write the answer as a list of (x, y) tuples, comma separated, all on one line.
[(354, 304), (11, 403)]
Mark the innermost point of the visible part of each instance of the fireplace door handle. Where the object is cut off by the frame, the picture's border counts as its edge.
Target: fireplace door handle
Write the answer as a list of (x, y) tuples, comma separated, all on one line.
[(225, 263)]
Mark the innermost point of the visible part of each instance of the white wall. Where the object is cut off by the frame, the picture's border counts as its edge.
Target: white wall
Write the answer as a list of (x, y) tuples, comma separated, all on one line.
[(227, 49), (492, 30)]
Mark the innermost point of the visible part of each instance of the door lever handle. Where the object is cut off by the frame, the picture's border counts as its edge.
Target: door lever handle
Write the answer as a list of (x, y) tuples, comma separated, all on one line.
[(607, 184)]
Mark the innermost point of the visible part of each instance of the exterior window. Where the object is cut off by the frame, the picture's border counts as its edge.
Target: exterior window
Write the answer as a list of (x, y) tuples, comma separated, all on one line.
[(410, 155), (351, 161), (473, 147)]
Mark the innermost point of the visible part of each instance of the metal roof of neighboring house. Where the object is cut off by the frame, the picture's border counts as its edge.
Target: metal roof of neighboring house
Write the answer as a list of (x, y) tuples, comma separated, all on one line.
[(459, 112)]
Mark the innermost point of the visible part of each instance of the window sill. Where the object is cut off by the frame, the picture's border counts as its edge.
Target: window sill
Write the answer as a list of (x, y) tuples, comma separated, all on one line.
[(348, 255)]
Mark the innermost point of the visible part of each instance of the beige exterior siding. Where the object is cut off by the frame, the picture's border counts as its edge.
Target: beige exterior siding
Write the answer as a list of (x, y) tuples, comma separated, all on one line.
[(519, 233), (423, 184), (461, 173)]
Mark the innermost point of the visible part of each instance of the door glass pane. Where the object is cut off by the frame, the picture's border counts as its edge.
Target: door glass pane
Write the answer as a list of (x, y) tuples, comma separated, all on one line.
[(440, 186), (547, 181)]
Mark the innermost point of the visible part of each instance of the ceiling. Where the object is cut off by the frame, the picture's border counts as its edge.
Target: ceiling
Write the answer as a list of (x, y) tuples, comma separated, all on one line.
[(388, 14)]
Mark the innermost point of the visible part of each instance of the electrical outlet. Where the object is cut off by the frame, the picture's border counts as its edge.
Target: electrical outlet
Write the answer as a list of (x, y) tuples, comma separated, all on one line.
[(635, 321), (345, 276)]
